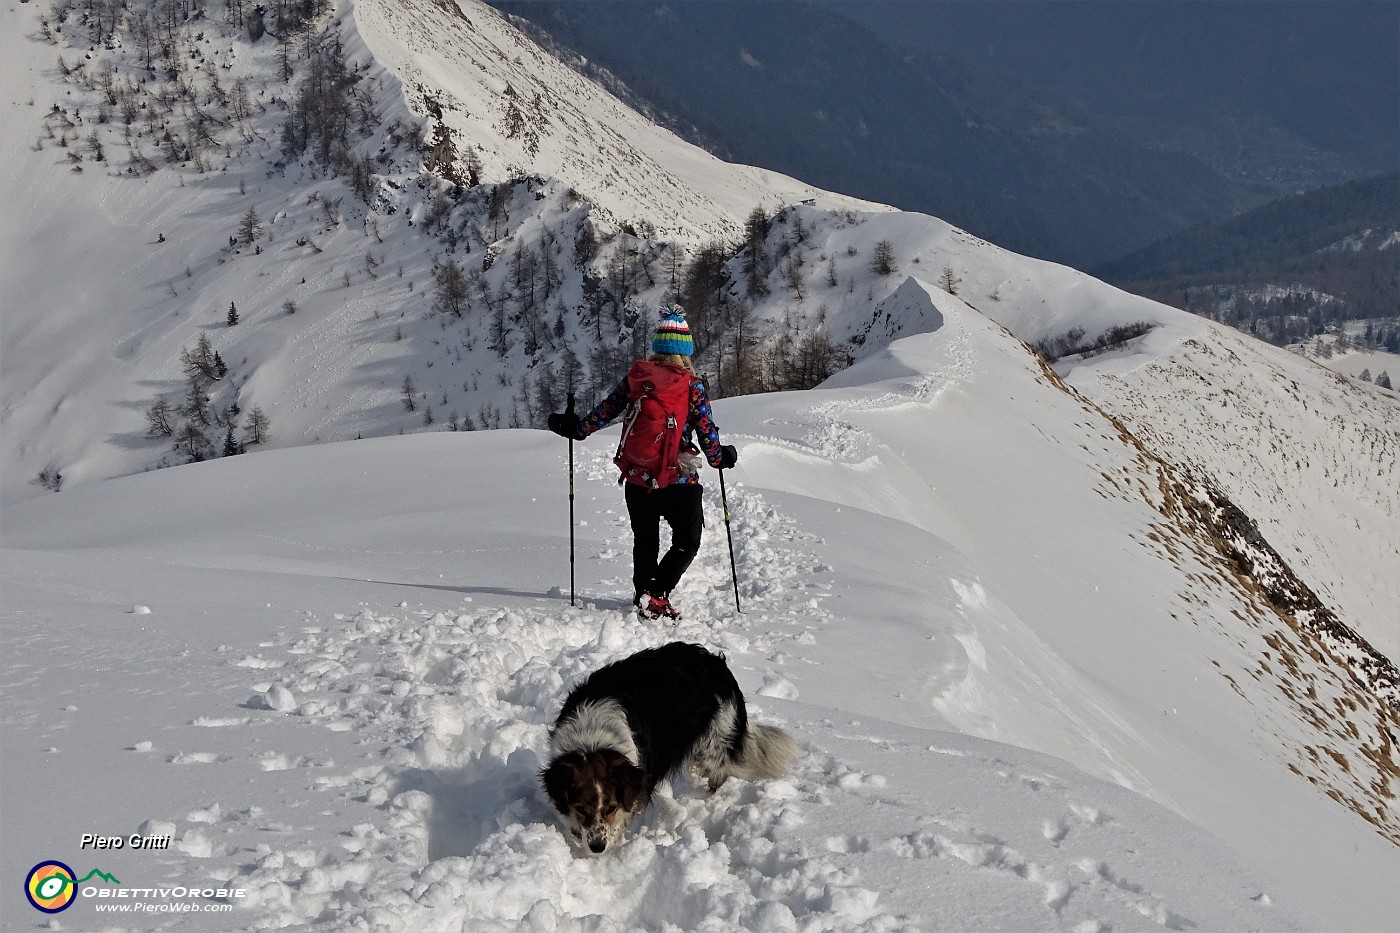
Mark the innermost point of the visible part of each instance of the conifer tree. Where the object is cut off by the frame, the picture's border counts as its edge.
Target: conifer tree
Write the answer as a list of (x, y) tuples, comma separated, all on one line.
[(452, 288), (882, 263), (546, 391), (571, 371), (500, 331), (756, 250), (196, 405), (201, 363), (792, 275), (191, 443), (948, 281), (586, 244), (256, 430), (472, 162), (250, 227), (158, 419)]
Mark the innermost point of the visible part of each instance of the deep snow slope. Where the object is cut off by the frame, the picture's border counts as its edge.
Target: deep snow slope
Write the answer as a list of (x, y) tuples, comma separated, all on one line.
[(1028, 694), (110, 270), (1310, 455)]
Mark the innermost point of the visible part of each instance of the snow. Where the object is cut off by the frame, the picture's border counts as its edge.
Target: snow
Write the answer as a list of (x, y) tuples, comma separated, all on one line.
[(86, 354), (1366, 240), (1031, 694), (355, 650), (158, 271), (1311, 455), (467, 54), (1354, 362)]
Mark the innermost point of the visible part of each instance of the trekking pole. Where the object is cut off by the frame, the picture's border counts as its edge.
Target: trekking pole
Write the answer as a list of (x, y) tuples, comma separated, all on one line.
[(729, 533), (570, 410)]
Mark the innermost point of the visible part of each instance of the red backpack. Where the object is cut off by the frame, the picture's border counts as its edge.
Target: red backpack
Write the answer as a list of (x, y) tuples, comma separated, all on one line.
[(653, 423)]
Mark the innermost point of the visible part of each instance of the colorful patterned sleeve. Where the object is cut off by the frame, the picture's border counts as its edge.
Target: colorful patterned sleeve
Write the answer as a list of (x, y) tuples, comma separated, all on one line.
[(702, 421), (608, 409)]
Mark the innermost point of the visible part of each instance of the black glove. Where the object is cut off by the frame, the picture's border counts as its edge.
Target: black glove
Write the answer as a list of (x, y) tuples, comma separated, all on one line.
[(728, 456), (565, 424)]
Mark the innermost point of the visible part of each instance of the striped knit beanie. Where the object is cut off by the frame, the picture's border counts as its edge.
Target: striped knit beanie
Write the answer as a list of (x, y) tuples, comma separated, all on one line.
[(673, 334)]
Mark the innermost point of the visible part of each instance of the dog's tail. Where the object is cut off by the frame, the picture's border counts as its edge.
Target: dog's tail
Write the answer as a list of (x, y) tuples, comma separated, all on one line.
[(766, 753)]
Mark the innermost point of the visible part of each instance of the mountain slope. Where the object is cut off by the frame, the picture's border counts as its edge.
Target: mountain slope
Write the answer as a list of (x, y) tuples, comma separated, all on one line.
[(526, 112), (1279, 233), (1284, 97), (1325, 261), (160, 255), (811, 91), (1310, 454), (368, 320), (898, 588)]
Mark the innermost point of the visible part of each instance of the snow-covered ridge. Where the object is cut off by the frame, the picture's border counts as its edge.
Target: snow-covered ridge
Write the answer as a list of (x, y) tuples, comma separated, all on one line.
[(523, 111), (1274, 432), (366, 642)]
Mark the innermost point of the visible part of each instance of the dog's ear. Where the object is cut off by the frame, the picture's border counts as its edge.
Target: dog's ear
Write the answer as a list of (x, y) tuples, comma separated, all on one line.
[(629, 783), (556, 780)]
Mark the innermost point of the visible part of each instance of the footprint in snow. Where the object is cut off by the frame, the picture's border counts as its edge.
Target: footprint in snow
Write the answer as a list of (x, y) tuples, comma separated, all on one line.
[(198, 758), (1055, 831), (848, 845)]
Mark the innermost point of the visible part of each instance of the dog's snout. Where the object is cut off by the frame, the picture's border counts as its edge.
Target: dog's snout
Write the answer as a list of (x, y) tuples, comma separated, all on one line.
[(597, 846)]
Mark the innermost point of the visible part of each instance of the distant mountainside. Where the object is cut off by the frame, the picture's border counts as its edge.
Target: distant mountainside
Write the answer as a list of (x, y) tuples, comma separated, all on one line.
[(800, 89), (1284, 97), (1290, 269)]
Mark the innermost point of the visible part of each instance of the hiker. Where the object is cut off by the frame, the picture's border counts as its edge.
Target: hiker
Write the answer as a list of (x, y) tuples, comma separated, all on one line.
[(663, 403)]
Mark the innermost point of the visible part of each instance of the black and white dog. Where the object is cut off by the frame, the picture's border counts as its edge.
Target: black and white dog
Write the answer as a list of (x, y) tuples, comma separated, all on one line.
[(633, 723)]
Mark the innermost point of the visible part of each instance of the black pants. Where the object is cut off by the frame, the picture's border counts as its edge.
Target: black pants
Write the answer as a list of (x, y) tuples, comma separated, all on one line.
[(680, 506)]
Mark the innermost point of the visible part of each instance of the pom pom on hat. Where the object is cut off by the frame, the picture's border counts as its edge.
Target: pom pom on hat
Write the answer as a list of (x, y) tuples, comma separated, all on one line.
[(673, 333)]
